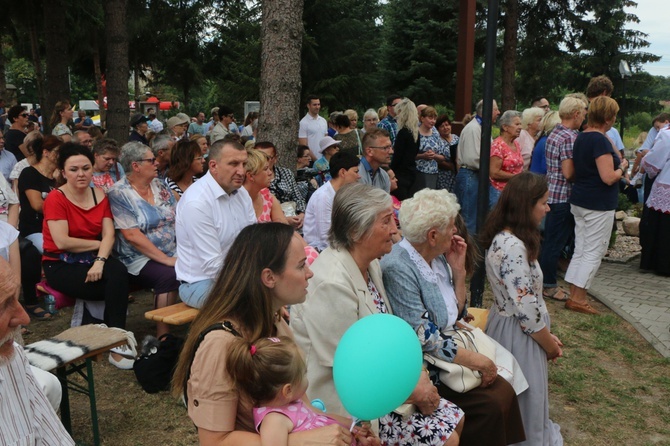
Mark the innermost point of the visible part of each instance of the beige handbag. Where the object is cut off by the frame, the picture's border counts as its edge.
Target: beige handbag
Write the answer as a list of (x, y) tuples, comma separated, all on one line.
[(457, 377)]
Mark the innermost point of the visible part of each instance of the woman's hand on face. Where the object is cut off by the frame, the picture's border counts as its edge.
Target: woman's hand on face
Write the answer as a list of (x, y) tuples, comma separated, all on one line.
[(457, 253), (425, 396), (95, 272)]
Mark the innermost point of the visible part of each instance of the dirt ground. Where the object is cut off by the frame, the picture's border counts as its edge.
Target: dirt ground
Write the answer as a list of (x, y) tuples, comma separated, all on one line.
[(610, 387)]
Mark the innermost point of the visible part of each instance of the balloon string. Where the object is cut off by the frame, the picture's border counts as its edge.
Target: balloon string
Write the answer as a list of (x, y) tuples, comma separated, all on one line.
[(353, 424)]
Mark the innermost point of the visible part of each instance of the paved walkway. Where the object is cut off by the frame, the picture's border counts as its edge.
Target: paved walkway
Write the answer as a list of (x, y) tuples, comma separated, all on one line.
[(643, 299)]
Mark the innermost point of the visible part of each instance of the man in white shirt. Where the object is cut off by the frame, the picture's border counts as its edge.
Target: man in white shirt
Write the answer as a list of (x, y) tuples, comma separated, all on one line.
[(210, 214), (377, 151), (467, 179), (344, 170), (312, 127), (26, 416)]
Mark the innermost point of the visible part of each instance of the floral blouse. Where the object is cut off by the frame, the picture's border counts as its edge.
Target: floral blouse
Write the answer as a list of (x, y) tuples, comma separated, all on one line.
[(434, 143), (516, 283), (156, 222), (512, 161), (323, 167), (61, 129)]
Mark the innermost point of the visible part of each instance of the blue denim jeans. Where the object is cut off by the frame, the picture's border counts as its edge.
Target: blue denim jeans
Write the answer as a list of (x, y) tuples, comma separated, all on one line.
[(467, 185), (559, 224), (194, 294)]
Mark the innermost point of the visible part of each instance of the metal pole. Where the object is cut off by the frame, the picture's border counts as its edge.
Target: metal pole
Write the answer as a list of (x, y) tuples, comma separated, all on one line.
[(623, 107), (477, 282)]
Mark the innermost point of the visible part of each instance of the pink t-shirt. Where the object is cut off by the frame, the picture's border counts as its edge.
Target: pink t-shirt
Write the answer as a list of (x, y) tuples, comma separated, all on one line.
[(303, 418), (512, 160)]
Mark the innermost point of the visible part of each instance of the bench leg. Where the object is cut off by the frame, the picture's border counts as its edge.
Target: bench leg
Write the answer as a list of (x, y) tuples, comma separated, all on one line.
[(91, 398), (61, 373)]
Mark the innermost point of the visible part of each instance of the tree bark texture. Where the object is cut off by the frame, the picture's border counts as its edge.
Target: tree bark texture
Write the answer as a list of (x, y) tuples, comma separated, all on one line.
[(57, 58), (281, 40), (509, 55), (98, 81), (117, 70), (3, 82), (37, 63)]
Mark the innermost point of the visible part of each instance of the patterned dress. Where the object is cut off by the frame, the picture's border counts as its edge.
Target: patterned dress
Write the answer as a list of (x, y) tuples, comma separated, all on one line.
[(418, 429), (519, 311), (266, 213), (446, 179)]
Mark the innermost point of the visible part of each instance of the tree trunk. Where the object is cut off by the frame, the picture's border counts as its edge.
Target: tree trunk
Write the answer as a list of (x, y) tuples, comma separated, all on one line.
[(117, 70), (136, 86), (37, 63), (281, 40), (509, 55), (3, 82), (57, 58), (98, 81)]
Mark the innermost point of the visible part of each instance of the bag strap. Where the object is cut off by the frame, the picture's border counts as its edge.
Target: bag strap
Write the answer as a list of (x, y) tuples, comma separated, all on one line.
[(225, 325)]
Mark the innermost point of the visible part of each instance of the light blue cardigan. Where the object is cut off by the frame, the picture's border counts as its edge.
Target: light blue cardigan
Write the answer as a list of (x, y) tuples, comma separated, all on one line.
[(411, 297)]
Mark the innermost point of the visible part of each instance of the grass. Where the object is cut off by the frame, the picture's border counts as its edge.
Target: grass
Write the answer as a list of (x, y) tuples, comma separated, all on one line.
[(610, 388)]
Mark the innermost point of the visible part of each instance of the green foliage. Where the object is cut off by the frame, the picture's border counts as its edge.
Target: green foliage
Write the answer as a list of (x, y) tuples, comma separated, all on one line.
[(341, 58), (420, 44), (623, 203), (641, 120)]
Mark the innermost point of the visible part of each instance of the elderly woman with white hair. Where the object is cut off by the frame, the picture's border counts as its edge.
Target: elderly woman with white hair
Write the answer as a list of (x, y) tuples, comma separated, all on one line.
[(370, 120), (506, 157), (531, 126), (424, 277), (144, 217), (347, 286)]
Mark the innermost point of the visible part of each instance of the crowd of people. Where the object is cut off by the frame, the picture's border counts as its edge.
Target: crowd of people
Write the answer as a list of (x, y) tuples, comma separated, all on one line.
[(380, 218)]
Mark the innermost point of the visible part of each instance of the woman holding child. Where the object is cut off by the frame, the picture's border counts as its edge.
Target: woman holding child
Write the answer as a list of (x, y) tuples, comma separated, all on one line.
[(264, 270)]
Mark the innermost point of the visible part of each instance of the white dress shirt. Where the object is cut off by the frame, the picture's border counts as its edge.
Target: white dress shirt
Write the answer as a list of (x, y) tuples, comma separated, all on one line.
[(26, 416), (318, 217), (207, 222)]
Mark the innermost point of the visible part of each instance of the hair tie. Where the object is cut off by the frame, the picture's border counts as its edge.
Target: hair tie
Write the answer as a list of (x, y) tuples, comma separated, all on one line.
[(252, 349), (274, 340)]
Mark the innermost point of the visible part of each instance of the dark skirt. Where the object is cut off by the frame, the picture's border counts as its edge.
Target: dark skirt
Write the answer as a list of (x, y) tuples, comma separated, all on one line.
[(492, 416), (655, 241)]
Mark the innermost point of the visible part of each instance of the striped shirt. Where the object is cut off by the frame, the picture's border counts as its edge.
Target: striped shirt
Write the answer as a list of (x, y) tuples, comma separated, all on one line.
[(559, 148), (26, 417)]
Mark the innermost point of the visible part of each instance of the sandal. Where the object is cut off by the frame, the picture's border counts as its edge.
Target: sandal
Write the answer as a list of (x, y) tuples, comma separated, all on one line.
[(556, 293), (38, 313)]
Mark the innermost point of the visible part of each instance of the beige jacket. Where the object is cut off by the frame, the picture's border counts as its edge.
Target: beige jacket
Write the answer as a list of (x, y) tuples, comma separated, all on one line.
[(337, 297)]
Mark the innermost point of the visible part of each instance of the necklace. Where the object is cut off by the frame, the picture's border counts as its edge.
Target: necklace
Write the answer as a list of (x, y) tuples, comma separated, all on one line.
[(75, 199), (144, 195)]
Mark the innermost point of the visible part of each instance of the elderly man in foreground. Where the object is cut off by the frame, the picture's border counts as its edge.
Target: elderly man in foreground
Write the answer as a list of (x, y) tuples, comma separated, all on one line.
[(26, 417)]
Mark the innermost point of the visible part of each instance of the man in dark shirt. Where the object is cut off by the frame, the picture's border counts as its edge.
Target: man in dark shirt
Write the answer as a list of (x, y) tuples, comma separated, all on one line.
[(140, 127)]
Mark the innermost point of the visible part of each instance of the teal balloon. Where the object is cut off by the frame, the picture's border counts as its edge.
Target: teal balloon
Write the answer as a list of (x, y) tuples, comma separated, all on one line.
[(377, 365)]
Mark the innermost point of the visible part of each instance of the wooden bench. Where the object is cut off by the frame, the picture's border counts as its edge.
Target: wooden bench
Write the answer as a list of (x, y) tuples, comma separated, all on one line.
[(177, 314)]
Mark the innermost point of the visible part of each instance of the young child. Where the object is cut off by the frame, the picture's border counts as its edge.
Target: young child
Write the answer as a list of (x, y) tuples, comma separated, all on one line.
[(272, 371)]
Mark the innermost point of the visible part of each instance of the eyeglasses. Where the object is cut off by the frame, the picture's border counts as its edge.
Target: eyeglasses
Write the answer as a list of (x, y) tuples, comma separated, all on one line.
[(150, 160), (393, 105), (371, 120), (385, 148), (24, 115)]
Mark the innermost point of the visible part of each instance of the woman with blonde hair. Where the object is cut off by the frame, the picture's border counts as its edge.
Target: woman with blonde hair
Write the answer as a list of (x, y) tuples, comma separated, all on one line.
[(531, 127), (538, 161), (259, 175), (405, 147), (60, 120)]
